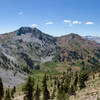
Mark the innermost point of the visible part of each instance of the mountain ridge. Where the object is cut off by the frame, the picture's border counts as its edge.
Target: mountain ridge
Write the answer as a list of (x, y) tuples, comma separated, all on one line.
[(26, 49), (93, 38)]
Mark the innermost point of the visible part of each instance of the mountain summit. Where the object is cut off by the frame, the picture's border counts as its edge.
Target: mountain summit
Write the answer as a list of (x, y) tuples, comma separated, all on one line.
[(24, 30)]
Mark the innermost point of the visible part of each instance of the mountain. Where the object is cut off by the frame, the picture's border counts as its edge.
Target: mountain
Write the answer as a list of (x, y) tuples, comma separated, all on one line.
[(28, 49), (28, 44), (77, 51), (23, 49), (93, 38)]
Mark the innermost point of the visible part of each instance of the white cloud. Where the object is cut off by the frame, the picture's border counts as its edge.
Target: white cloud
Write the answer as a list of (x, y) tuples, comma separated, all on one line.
[(89, 23), (71, 22), (20, 13), (76, 22), (34, 25), (49, 23), (67, 21)]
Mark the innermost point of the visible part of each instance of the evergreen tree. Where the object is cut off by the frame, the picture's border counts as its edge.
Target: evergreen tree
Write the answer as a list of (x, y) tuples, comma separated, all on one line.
[(61, 93), (13, 91), (53, 93), (93, 75), (1, 89), (58, 84), (46, 94), (83, 76), (55, 82), (37, 93), (67, 83), (72, 90), (75, 81), (7, 95), (29, 89)]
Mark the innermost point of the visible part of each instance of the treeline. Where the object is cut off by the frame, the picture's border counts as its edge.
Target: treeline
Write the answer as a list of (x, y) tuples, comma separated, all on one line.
[(60, 87)]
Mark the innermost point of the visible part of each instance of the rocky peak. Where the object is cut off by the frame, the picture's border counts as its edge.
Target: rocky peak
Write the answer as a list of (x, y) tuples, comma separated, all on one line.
[(25, 30)]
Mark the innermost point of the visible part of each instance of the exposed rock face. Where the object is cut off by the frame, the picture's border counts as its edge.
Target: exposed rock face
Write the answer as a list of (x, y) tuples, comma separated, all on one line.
[(23, 49), (30, 43), (10, 78)]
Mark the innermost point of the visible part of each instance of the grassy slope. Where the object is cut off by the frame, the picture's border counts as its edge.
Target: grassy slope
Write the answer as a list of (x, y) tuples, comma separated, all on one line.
[(91, 92)]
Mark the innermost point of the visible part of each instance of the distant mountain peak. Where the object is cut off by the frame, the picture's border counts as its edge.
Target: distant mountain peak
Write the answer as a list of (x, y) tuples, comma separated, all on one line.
[(27, 28), (93, 38), (24, 30), (73, 35)]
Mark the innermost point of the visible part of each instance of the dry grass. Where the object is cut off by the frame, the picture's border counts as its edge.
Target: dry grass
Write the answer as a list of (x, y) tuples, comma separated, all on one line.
[(91, 92)]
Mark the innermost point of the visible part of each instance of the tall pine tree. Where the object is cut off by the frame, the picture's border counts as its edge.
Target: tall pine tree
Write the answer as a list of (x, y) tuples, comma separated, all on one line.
[(13, 91), (75, 82), (61, 93), (46, 94), (83, 76), (29, 89), (7, 95), (37, 93), (1, 89), (67, 83), (72, 90), (53, 93)]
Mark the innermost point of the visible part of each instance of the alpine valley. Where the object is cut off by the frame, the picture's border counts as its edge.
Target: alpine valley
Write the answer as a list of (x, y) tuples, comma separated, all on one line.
[(28, 50)]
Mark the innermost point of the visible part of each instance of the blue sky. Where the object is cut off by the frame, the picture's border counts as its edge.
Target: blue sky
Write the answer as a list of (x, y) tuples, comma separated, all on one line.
[(54, 17)]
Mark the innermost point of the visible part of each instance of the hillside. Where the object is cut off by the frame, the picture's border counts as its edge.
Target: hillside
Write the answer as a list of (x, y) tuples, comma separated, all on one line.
[(90, 92), (31, 45), (78, 51), (27, 50), (23, 50)]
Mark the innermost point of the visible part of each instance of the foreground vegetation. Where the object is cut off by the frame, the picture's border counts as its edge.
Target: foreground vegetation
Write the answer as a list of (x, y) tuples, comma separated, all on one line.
[(48, 87)]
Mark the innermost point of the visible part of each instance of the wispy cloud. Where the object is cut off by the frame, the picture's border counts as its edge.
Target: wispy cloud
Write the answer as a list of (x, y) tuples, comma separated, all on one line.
[(89, 23), (48, 23), (20, 13), (67, 21), (73, 22), (76, 22), (34, 25)]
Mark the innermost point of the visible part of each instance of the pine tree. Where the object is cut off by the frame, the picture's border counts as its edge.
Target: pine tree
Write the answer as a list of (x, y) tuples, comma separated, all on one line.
[(1, 89), (55, 82), (13, 91), (75, 81), (58, 84), (46, 94), (53, 93), (37, 93), (67, 83), (83, 76), (61, 93), (72, 90), (29, 88), (93, 75), (7, 95)]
